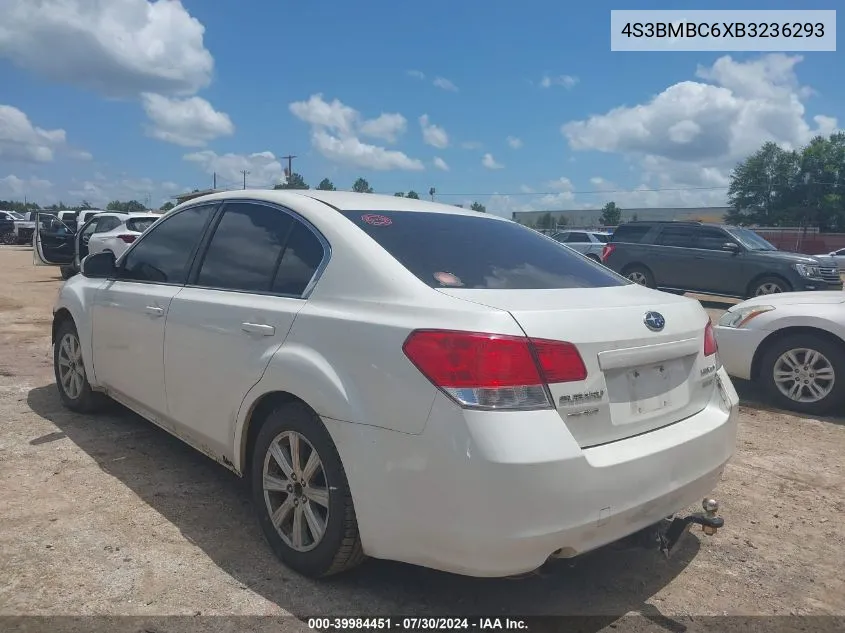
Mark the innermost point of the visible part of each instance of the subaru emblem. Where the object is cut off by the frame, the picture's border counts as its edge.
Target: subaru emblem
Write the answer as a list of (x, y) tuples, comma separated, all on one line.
[(654, 321)]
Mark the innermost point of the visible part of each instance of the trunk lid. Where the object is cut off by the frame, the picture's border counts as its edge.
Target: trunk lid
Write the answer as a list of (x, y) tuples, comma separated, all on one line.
[(638, 379)]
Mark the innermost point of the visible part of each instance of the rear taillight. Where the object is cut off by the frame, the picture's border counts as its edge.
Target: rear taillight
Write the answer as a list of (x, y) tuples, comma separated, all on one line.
[(710, 346), (493, 371), (606, 251), (128, 238)]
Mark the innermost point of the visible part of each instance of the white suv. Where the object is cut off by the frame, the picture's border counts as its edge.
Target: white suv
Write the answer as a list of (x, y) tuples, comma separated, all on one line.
[(396, 384)]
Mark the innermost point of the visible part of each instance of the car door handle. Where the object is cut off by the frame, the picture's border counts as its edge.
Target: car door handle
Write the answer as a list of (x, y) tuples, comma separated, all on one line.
[(154, 311), (258, 328)]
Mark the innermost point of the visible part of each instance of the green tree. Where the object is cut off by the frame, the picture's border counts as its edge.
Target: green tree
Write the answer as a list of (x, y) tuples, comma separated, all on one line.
[(294, 181), (362, 186), (413, 195), (399, 194), (765, 186), (132, 206), (326, 185), (167, 206), (634, 218), (477, 206), (611, 215)]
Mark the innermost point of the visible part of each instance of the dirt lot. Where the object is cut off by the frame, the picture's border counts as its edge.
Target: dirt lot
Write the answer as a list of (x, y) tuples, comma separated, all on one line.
[(109, 515)]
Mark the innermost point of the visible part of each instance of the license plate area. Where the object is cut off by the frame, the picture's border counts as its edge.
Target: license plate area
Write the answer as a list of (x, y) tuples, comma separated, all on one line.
[(650, 387)]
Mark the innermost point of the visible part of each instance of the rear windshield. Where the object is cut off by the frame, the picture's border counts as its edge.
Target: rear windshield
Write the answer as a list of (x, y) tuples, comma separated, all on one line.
[(460, 251), (139, 224)]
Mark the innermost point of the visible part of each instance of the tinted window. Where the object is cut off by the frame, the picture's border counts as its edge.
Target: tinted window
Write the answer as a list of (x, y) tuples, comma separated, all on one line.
[(631, 233), (577, 237), (675, 236), (164, 254), (91, 227), (601, 237), (711, 238), (139, 224), (244, 252), (302, 257), (466, 251), (106, 224)]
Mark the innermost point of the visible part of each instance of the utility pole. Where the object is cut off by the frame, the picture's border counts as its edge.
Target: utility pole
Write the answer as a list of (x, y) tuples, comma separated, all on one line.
[(214, 180), (244, 172), (290, 164)]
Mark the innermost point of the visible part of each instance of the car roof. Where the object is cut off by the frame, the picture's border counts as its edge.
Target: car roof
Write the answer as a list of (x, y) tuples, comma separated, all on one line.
[(340, 200)]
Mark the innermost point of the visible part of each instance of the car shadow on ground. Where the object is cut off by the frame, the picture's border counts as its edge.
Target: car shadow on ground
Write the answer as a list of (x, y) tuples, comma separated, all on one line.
[(752, 396), (211, 508)]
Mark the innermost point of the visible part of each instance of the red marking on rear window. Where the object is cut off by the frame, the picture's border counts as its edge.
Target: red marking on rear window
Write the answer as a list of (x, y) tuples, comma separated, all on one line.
[(376, 220)]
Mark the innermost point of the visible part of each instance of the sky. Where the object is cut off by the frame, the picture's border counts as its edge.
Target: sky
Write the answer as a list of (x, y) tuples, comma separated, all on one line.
[(519, 106)]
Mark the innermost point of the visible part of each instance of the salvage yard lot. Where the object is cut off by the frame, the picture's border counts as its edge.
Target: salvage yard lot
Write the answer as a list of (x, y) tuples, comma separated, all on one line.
[(110, 515)]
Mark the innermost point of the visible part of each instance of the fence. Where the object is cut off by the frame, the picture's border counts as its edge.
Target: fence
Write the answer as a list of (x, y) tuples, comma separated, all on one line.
[(802, 240)]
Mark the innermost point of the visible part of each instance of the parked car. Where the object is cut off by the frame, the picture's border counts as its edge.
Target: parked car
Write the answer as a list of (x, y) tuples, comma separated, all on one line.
[(7, 228), (374, 364), (589, 243), (713, 259), (69, 219), (792, 345), (838, 256), (114, 232)]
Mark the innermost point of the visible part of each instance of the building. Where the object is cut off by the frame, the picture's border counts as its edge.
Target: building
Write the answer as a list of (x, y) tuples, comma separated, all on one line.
[(590, 217)]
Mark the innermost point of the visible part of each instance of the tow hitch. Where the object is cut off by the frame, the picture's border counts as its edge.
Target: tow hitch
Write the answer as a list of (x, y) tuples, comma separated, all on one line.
[(666, 534)]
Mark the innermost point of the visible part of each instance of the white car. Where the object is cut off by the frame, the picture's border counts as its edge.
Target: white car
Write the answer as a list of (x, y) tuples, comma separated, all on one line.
[(115, 232), (838, 255), (791, 344), (395, 384), (589, 243)]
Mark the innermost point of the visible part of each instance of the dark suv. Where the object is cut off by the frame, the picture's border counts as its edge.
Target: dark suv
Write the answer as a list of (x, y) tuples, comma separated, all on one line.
[(713, 259)]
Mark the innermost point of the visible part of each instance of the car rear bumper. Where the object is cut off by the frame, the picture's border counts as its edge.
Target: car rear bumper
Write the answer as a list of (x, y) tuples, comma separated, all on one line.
[(498, 493)]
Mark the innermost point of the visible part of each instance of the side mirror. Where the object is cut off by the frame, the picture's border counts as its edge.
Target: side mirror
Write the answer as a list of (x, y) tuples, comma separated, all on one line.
[(731, 247), (99, 265)]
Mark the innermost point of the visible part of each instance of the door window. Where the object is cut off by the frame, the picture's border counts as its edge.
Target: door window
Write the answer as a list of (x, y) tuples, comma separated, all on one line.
[(711, 238), (246, 247), (164, 253), (577, 237), (680, 236), (91, 228), (302, 257)]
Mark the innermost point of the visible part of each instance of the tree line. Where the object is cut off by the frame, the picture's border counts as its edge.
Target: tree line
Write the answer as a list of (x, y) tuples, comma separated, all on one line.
[(611, 215)]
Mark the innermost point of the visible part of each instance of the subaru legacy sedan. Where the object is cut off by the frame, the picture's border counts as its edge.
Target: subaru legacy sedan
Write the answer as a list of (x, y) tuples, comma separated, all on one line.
[(405, 380)]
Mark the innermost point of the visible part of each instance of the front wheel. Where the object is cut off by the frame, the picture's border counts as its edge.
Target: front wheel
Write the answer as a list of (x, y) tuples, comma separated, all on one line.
[(805, 373), (301, 494), (71, 379)]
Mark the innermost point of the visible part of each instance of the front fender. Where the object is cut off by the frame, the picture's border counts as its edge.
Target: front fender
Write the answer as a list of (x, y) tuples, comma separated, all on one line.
[(73, 298)]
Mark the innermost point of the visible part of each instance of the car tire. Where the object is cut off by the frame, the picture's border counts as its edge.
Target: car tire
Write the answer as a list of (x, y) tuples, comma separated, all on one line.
[(67, 272), (338, 548), (71, 377), (640, 275), (768, 285), (830, 359)]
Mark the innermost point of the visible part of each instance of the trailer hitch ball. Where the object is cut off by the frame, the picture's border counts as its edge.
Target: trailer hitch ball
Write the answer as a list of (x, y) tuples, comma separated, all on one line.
[(710, 507)]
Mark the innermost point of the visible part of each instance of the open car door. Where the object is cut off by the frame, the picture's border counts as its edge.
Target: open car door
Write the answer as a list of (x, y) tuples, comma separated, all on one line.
[(53, 243)]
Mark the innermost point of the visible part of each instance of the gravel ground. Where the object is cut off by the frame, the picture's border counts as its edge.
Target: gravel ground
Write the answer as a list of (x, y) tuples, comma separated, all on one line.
[(109, 515)]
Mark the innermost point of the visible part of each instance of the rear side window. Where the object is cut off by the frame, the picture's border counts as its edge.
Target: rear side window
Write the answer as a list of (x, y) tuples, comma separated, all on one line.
[(631, 233), (106, 224), (244, 252), (450, 250), (679, 236), (303, 254), (577, 237), (163, 254), (139, 224), (601, 237)]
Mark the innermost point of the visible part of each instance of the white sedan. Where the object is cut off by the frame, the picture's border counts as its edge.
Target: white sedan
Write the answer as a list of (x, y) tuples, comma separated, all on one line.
[(117, 234), (792, 345), (396, 384), (838, 255)]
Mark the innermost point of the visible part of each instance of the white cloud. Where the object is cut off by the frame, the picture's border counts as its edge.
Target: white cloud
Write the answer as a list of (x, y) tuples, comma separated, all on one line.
[(472, 145), (440, 164), (526, 189), (567, 81), (416, 74), (335, 131), (264, 169), (514, 142), (694, 132), (387, 127), (432, 134), (102, 190), (190, 122), (350, 150), (120, 48), (21, 141), (445, 84), (561, 184), (13, 187), (490, 163)]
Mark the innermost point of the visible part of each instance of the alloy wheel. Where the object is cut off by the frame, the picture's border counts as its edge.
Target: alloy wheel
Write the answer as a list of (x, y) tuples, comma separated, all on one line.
[(71, 368), (804, 375)]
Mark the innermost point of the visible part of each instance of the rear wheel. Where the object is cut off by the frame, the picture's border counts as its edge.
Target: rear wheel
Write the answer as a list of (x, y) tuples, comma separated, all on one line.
[(8, 238), (71, 379), (805, 372), (640, 275), (768, 286), (67, 272), (301, 494)]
